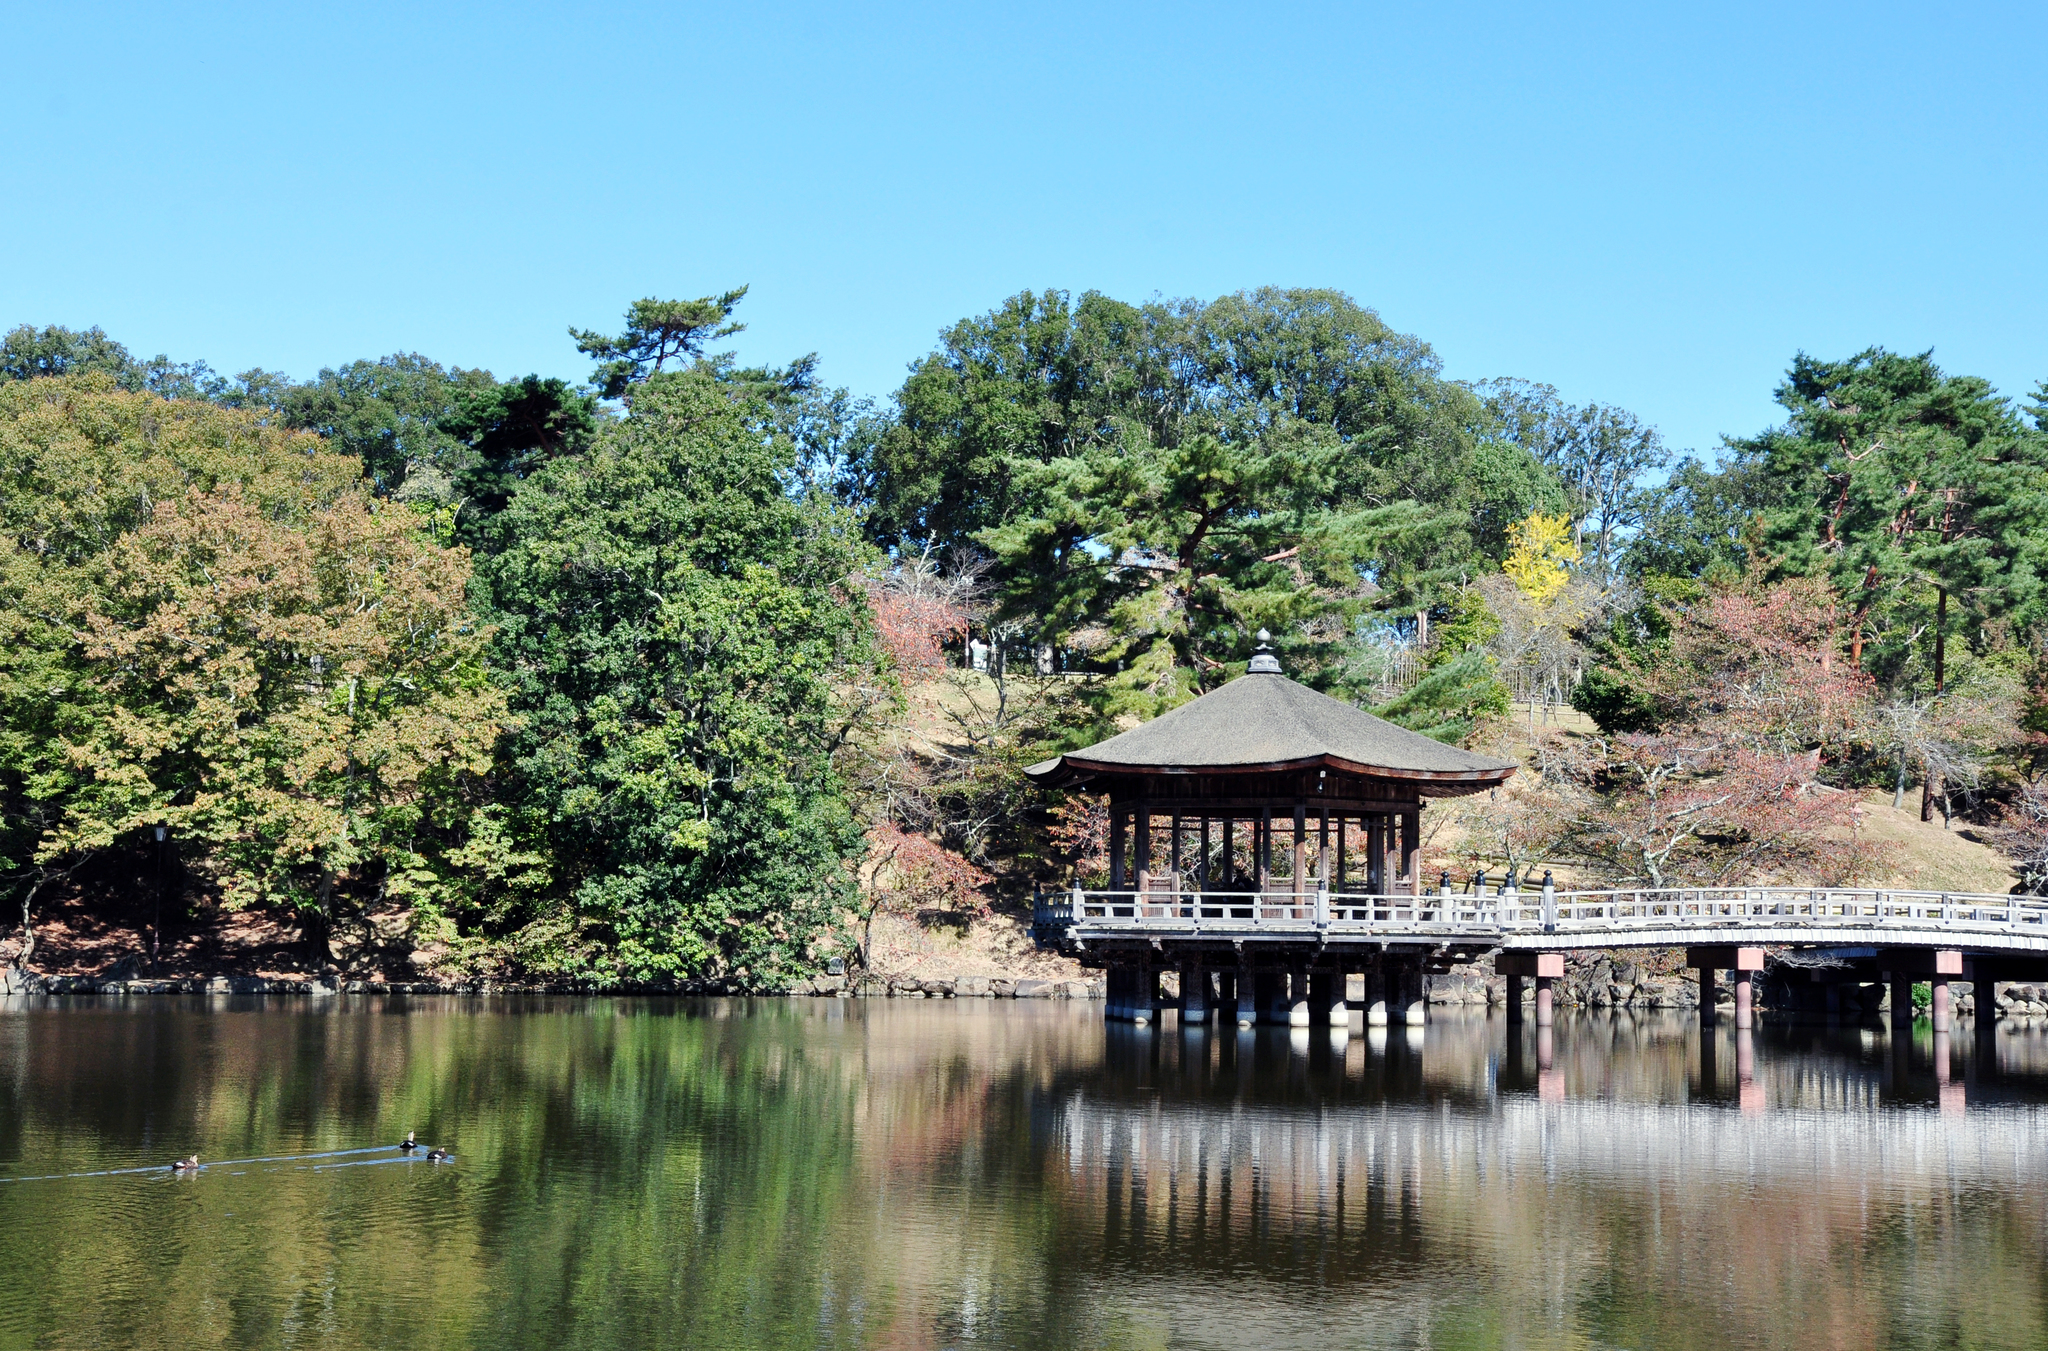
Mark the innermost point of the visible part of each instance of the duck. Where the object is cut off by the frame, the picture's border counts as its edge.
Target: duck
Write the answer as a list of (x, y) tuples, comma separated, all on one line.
[(436, 1154), (189, 1164), (408, 1144)]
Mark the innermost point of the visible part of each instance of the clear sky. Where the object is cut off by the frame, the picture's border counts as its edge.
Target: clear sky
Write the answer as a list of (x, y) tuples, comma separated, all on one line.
[(1647, 205)]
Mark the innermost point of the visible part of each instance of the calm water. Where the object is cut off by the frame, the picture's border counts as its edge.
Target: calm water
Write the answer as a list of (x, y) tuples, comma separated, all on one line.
[(800, 1173)]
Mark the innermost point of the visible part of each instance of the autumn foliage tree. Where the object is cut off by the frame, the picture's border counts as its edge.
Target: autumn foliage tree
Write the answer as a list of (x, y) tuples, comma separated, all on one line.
[(304, 703), (211, 627), (1750, 702)]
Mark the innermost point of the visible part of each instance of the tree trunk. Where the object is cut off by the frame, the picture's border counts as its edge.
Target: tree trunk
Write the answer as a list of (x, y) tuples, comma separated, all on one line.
[(1932, 785), (316, 925), (1899, 785), (28, 930)]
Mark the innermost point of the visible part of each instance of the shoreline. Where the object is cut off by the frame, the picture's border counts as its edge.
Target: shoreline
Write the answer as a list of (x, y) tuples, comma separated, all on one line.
[(30, 983)]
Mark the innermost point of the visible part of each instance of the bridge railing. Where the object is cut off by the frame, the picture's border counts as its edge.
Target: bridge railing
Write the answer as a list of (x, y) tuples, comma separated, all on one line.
[(1561, 912)]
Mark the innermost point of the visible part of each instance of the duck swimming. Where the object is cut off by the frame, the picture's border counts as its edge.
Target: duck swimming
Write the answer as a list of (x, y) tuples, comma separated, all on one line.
[(436, 1154), (189, 1164), (408, 1144)]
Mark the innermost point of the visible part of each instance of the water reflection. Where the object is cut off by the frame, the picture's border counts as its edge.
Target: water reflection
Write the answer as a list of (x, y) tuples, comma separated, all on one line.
[(880, 1173)]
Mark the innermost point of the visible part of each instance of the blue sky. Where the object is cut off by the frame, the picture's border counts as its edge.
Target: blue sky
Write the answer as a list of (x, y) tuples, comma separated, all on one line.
[(1652, 206)]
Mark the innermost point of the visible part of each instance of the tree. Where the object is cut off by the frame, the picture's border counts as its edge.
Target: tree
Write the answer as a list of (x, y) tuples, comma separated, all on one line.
[(86, 468), (1911, 491), (685, 656), (657, 332), (303, 701), (1701, 522), (1600, 455), (392, 414), (28, 353), (454, 438), (1045, 378), (1741, 706), (1450, 699), (1165, 559)]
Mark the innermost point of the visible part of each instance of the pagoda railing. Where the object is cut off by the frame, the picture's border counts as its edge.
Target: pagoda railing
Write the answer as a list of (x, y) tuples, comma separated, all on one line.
[(1801, 914)]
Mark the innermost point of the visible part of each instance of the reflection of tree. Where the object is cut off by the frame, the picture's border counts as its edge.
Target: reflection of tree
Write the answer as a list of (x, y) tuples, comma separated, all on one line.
[(819, 1173)]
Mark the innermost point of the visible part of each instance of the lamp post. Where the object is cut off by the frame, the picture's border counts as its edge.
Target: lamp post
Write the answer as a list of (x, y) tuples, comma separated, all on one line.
[(156, 928)]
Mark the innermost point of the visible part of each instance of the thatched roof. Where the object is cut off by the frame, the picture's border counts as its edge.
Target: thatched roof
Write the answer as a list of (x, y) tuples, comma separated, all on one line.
[(1265, 722)]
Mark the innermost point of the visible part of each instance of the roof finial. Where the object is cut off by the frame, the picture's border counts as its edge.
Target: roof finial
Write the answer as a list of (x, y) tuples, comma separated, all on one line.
[(1263, 661)]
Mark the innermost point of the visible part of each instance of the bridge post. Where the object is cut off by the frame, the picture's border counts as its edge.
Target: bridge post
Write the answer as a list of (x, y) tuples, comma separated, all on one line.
[(1418, 989), (1742, 964), (1376, 993), (1297, 996), (1514, 1001), (1247, 985), (1194, 993), (1544, 966), (1937, 965), (1326, 996), (1272, 991), (1902, 1001)]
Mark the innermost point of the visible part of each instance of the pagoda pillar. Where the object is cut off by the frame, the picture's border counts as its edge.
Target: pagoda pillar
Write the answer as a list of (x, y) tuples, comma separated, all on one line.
[(1411, 850)]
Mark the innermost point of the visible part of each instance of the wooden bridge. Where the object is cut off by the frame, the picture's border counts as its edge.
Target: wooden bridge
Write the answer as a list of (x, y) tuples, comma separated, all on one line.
[(1288, 956), (1550, 920)]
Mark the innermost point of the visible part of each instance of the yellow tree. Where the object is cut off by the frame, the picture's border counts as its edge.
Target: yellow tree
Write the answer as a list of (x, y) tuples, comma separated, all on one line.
[(1542, 556), (307, 702)]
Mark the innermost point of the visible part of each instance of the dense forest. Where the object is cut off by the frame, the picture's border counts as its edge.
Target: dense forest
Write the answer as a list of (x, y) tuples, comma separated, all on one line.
[(625, 682)]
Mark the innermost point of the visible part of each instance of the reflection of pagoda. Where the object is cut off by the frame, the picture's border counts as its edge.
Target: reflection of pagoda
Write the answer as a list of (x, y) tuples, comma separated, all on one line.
[(1197, 798)]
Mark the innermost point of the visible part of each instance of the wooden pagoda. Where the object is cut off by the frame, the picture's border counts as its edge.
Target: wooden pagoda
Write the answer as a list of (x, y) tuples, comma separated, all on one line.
[(1258, 794)]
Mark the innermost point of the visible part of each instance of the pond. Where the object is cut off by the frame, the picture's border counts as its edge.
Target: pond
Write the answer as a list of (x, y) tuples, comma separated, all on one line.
[(834, 1173)]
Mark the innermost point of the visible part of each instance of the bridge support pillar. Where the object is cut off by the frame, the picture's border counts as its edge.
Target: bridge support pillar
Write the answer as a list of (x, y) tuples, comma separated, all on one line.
[(1297, 994), (1544, 966), (1937, 965), (1376, 995), (1194, 994), (1326, 996), (1742, 964), (1247, 991), (1272, 992), (1902, 1001), (1514, 1001), (1418, 997)]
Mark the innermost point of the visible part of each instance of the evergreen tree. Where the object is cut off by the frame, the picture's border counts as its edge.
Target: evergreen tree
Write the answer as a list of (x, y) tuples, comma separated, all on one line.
[(680, 645), (1920, 496)]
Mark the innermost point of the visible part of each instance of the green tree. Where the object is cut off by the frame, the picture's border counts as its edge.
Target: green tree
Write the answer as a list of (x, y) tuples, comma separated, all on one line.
[(302, 700), (681, 644), (447, 436), (137, 672), (657, 332), (1163, 560), (29, 353), (1045, 378), (1916, 494), (390, 414)]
